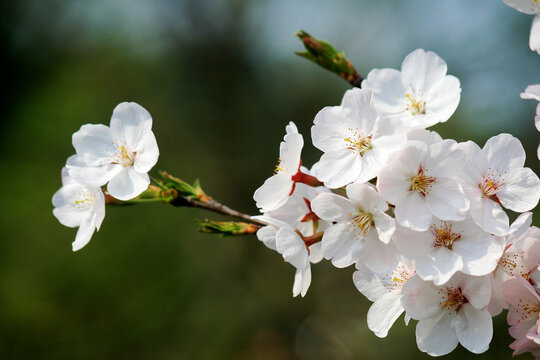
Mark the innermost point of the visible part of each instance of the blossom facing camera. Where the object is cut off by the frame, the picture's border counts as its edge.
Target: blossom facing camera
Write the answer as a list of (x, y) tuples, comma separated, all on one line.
[(120, 155), (420, 95), (79, 205)]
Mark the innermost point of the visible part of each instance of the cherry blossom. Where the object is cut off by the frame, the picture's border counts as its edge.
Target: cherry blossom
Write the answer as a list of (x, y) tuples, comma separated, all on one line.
[(530, 7), (495, 176), (355, 140), (421, 95), (448, 247), (420, 180), (79, 205), (384, 290), (523, 316), (450, 314), (361, 231), (121, 154), (276, 190)]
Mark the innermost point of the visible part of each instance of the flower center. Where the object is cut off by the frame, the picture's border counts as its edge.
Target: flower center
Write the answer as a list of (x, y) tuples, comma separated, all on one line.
[(422, 182), (278, 168), (444, 235), (398, 278), (452, 298), (84, 200), (513, 263), (124, 156), (492, 182), (358, 142), (362, 223), (415, 106)]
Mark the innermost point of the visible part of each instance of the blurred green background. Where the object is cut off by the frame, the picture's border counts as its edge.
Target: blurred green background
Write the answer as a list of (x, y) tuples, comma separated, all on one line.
[(221, 81)]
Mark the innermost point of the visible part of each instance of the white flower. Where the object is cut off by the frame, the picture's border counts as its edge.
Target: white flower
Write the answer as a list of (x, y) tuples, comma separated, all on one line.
[(355, 140), (285, 239), (520, 258), (448, 247), (448, 314), (533, 92), (361, 231), (530, 7), (495, 176), (421, 95), (420, 180), (79, 205), (121, 154), (384, 290), (276, 190)]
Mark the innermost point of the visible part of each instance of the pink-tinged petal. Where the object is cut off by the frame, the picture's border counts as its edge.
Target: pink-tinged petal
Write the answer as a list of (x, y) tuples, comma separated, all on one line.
[(436, 335), (369, 283), (413, 212), (385, 226), (147, 154), (337, 169), (274, 192), (489, 216), (504, 153), (96, 141), (446, 200), (333, 207), (497, 302), (474, 328), (128, 184), (421, 298), (302, 280), (130, 122), (518, 291), (366, 197), (292, 248), (376, 255), (387, 88), (290, 151), (534, 38), (383, 313), (85, 232), (521, 191), (423, 70), (340, 245), (477, 289), (531, 92), (525, 6)]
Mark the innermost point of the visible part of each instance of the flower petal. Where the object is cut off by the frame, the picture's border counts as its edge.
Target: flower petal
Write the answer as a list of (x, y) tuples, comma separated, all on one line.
[(130, 122), (474, 328), (85, 232), (436, 336), (274, 192), (147, 153), (504, 152), (521, 191), (383, 313), (333, 207), (128, 184)]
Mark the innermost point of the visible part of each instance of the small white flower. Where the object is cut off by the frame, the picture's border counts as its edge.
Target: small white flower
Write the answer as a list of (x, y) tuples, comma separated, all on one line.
[(361, 231), (276, 190), (530, 7), (495, 176), (79, 205), (421, 95), (384, 290), (450, 314), (355, 140), (121, 154), (447, 247), (420, 180)]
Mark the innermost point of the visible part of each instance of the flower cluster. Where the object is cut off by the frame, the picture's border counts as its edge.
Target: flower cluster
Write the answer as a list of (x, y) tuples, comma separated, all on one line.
[(119, 155), (422, 218)]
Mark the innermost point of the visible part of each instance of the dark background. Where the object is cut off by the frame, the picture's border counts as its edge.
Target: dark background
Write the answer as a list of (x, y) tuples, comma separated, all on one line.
[(221, 81)]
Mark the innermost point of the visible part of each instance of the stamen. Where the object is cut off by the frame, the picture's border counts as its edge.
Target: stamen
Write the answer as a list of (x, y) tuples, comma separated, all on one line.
[(513, 263), (397, 278), (492, 183), (358, 142), (123, 155), (452, 298), (444, 235), (84, 200), (415, 106), (422, 182)]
